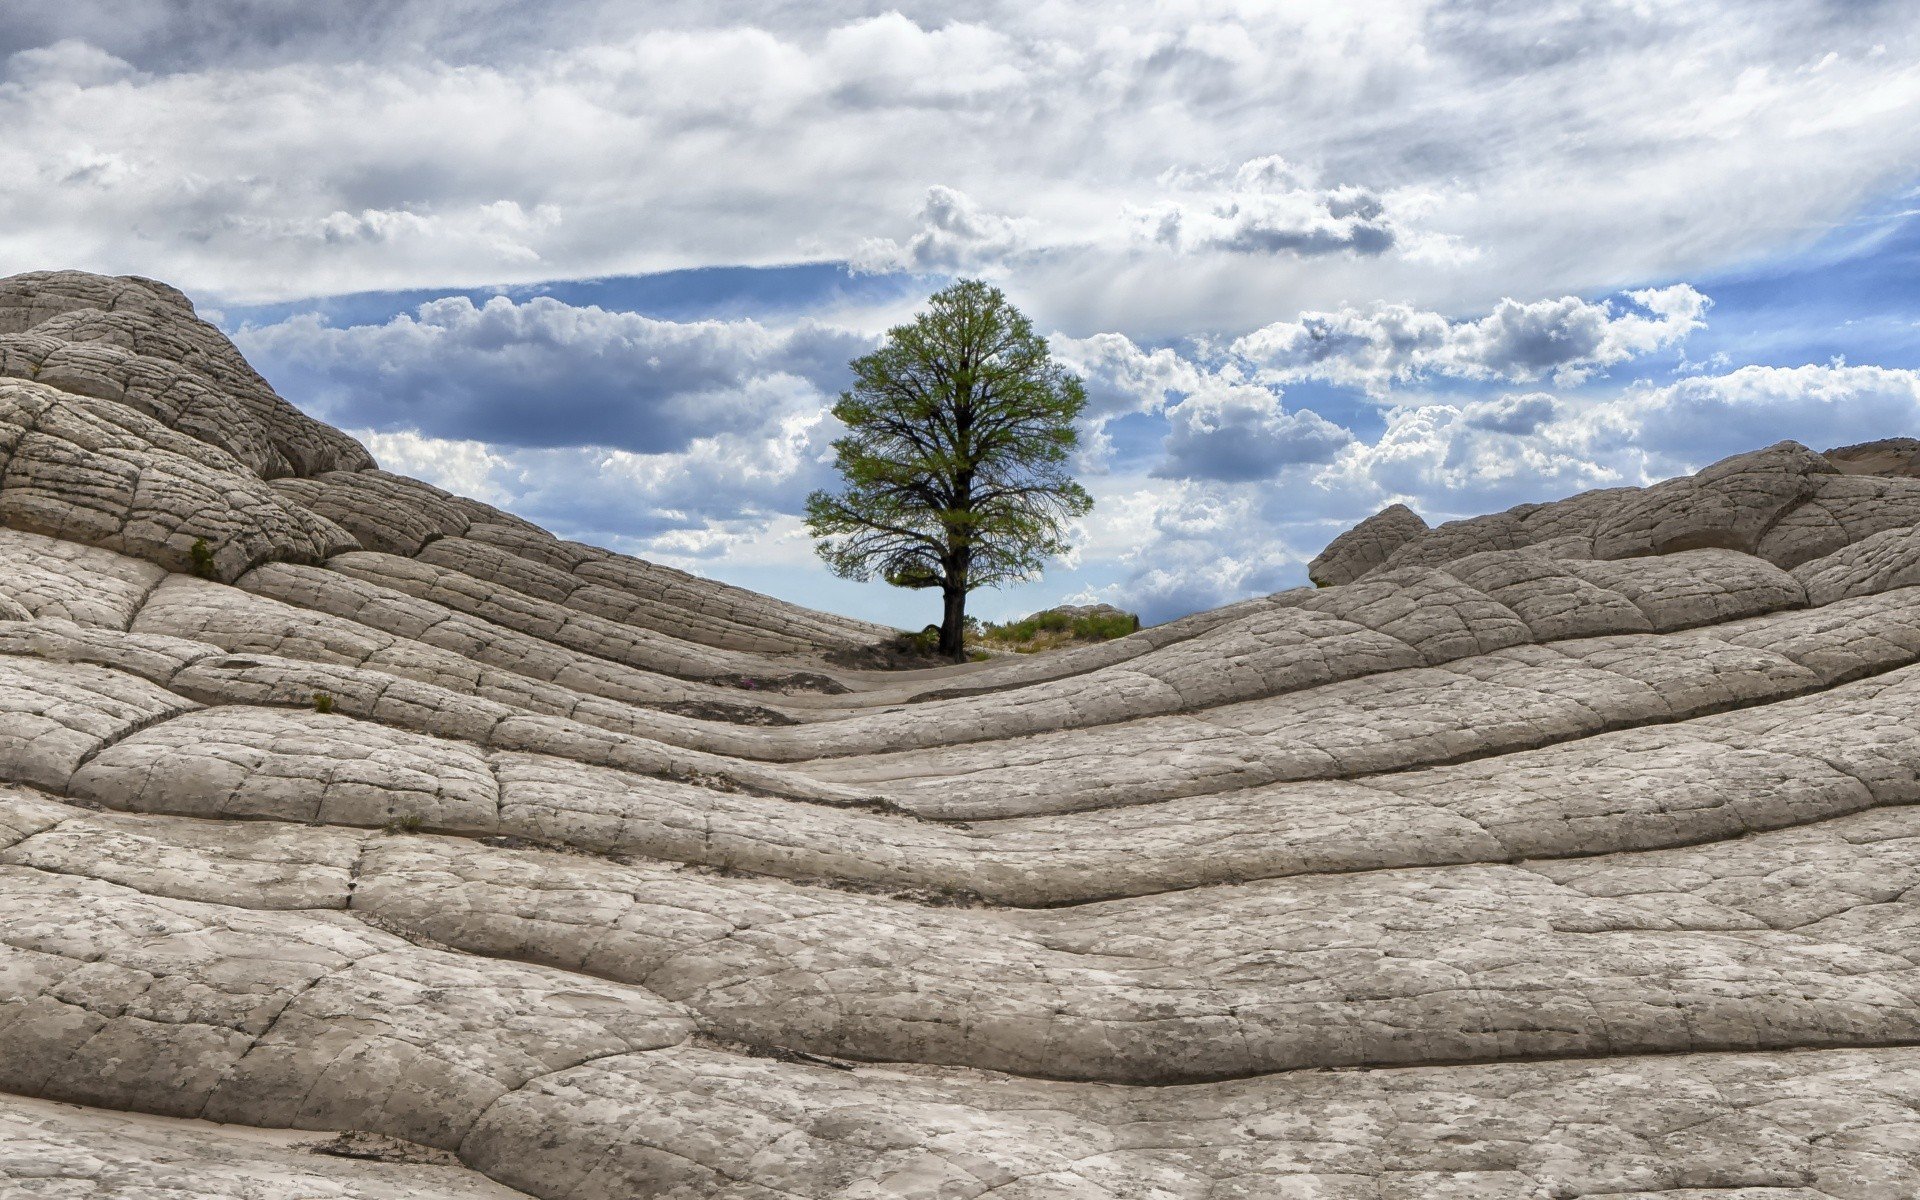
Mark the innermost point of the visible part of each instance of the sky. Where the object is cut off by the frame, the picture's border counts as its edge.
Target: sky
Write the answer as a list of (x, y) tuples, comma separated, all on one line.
[(604, 264)]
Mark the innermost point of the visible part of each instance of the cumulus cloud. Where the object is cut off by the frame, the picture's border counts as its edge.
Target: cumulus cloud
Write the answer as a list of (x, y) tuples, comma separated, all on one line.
[(1122, 377), (1461, 459), (1567, 339), (954, 235), (459, 465), (1240, 433), (1451, 460), (1267, 206), (541, 373), (891, 60), (1518, 415), (689, 442), (1445, 462), (1692, 421), (1224, 408), (1171, 547), (715, 497), (499, 231)]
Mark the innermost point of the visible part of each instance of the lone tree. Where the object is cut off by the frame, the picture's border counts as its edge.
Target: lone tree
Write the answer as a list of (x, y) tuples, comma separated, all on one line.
[(958, 432)]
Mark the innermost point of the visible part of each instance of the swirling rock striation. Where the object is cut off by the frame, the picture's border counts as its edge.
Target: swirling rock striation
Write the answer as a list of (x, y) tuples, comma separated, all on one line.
[(358, 839)]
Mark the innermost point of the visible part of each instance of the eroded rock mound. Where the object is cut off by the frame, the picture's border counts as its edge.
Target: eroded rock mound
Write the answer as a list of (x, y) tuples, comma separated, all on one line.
[(1784, 504), (1888, 456), (1563, 852), (1365, 546)]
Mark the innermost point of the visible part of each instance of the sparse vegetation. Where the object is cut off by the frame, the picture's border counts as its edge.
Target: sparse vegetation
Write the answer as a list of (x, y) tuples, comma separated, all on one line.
[(323, 702), (1100, 627), (1058, 627), (202, 556), (926, 642), (410, 823)]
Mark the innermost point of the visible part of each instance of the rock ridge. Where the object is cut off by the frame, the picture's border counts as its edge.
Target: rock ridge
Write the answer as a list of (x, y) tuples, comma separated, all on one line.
[(358, 839)]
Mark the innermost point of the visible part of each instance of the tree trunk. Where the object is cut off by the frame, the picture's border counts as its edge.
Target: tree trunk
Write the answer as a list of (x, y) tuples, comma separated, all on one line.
[(953, 625)]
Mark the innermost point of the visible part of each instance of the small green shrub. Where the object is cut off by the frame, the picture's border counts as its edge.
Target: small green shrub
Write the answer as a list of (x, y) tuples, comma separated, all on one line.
[(1016, 631), (1106, 627), (1099, 627), (927, 641), (202, 556), (410, 823), (323, 702)]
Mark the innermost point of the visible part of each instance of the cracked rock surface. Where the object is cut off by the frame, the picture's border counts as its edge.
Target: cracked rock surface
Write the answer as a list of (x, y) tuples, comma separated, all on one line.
[(362, 840)]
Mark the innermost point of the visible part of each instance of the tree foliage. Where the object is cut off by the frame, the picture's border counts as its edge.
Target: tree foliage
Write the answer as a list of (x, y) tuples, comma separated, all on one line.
[(959, 431)]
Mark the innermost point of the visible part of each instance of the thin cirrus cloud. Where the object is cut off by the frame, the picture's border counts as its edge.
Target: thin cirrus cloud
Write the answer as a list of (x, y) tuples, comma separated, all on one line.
[(1423, 165)]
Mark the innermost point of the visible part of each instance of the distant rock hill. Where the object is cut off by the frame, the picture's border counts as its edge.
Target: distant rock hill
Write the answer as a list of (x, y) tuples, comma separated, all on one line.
[(1564, 852)]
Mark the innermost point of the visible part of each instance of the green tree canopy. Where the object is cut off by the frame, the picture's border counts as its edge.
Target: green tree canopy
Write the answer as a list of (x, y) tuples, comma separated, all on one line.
[(959, 429)]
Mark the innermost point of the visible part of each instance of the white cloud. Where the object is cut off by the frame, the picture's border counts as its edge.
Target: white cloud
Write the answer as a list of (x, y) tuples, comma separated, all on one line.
[(685, 441), (501, 230), (1463, 459), (889, 61), (1568, 339), (1516, 414), (542, 373), (1241, 432), (461, 466), (68, 63), (1180, 546), (1686, 424), (731, 496), (1121, 377), (1452, 460), (1487, 150), (1446, 462), (955, 236), (1267, 206)]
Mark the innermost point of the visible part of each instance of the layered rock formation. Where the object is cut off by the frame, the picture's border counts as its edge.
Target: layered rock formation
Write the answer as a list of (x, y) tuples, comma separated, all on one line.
[(1565, 852)]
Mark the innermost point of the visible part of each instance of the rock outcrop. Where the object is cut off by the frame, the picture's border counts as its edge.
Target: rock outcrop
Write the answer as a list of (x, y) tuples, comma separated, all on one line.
[(358, 839), (1889, 456), (1365, 546)]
